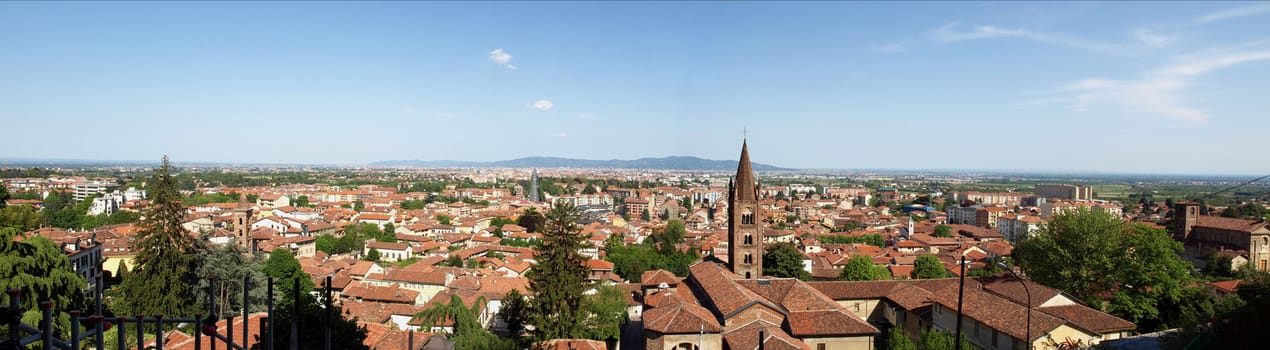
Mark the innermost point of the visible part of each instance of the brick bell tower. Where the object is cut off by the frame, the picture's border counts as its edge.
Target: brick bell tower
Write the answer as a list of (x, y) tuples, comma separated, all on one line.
[(745, 232), (242, 222)]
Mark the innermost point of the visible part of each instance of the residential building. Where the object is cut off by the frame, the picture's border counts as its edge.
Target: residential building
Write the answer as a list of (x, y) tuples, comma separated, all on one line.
[(1064, 191)]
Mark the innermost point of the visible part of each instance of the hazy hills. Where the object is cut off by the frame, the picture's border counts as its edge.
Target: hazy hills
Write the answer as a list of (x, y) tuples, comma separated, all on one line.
[(664, 163)]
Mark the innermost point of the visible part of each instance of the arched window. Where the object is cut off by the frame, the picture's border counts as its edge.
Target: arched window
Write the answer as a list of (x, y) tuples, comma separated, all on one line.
[(686, 346), (749, 239), (748, 258), (747, 274)]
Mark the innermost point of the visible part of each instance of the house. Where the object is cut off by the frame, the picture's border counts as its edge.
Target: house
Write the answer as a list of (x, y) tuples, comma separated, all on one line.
[(390, 251)]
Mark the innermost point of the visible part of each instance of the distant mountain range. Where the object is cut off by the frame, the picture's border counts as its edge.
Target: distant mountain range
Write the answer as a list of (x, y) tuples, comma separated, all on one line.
[(664, 163)]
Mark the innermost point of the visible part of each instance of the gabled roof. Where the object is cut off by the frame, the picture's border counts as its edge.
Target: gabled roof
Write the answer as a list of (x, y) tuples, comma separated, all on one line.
[(676, 316), (747, 338), (727, 296), (810, 312)]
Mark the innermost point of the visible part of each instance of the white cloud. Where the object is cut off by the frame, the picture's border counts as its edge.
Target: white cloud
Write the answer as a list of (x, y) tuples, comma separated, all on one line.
[(1230, 13), (890, 48), (560, 134), (1159, 92), (542, 105), (1151, 38), (954, 32), (502, 58)]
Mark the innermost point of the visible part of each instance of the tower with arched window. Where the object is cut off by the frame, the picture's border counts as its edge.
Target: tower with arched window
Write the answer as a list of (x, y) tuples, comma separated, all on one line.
[(745, 231)]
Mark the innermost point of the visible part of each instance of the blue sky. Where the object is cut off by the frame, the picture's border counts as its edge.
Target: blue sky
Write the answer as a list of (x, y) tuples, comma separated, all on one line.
[(1107, 87)]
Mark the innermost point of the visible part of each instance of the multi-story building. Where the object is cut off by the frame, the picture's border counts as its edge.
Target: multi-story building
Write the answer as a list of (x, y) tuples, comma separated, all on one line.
[(1064, 191), (90, 188), (963, 215), (1008, 199), (987, 216), (1015, 226)]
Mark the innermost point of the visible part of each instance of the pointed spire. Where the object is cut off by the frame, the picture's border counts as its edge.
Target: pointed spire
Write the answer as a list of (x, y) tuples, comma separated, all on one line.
[(242, 201), (745, 176)]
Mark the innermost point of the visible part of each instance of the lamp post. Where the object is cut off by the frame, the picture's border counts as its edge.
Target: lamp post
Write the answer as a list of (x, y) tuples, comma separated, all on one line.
[(1028, 332)]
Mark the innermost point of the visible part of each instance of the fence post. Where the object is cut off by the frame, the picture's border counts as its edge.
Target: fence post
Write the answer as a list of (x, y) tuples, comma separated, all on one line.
[(141, 331), (295, 313), (326, 342), (15, 334), (229, 332), (158, 331), (75, 329), (100, 338), (269, 340), (121, 343), (246, 300), (198, 332), (46, 324)]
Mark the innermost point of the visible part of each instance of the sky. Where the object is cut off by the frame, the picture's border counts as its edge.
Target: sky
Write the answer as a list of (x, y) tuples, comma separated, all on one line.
[(1121, 87)]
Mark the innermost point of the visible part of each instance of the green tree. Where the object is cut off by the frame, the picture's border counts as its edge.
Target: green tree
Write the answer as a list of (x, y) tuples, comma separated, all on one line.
[(672, 235), (859, 268), (444, 219), (558, 279), (943, 231), (515, 311), (928, 266), (784, 260), (896, 340), (530, 220), (935, 340), (38, 267), (21, 217), (163, 278), (301, 201), (326, 244), (228, 266), (285, 269), (1091, 254), (604, 313), (468, 333), (4, 196), (373, 255), (358, 205)]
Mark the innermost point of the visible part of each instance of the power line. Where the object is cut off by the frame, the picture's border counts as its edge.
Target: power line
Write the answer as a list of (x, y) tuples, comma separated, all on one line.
[(1228, 189)]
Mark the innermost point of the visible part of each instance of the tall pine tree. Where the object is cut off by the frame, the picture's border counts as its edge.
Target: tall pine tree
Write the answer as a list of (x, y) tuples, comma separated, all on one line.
[(559, 278), (162, 281)]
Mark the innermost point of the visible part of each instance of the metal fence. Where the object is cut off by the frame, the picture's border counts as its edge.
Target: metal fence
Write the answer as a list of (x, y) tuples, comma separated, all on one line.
[(92, 328)]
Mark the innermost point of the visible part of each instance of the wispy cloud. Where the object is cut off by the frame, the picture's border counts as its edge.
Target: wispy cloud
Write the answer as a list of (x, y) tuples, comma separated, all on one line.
[(1159, 92), (560, 134), (955, 32), (542, 105), (890, 48), (1231, 13), (502, 58), (1152, 38)]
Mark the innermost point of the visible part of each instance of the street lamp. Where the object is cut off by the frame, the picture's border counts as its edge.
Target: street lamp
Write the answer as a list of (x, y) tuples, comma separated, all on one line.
[(1028, 332)]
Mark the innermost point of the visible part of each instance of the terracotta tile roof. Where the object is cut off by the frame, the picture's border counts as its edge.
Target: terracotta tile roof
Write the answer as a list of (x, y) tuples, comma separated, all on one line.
[(653, 278), (676, 316), (811, 313), (575, 344), (388, 294), (726, 295), (1086, 318), (746, 338), (1009, 287), (1232, 224), (1000, 313), (1230, 286)]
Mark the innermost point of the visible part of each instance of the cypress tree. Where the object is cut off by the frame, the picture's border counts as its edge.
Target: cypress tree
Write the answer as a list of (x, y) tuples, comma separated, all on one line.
[(559, 278), (162, 281)]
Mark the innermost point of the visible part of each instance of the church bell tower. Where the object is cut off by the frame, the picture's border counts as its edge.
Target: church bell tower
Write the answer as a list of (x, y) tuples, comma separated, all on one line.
[(745, 231)]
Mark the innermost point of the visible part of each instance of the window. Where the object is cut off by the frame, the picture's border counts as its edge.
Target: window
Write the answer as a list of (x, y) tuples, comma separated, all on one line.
[(820, 346), (748, 258), (747, 219), (747, 275), (686, 346), (749, 239)]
